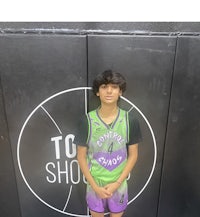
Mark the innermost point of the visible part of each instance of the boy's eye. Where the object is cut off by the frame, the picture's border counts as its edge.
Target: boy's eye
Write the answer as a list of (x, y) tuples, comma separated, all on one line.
[(103, 86), (114, 86)]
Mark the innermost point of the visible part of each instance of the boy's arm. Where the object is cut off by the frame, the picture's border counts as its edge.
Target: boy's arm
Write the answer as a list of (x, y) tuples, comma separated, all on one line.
[(82, 160), (132, 158), (81, 157)]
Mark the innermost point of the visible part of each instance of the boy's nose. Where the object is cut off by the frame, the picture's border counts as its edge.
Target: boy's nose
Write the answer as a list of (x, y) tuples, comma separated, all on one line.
[(109, 89)]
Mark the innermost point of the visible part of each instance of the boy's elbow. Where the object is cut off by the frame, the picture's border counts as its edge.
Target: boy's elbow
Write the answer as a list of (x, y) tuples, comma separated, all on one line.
[(80, 154)]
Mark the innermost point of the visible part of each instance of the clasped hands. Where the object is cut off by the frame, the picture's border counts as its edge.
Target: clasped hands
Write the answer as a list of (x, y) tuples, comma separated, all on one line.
[(106, 191)]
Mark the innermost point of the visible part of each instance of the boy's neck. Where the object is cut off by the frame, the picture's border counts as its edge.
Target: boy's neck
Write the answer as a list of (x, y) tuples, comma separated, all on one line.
[(108, 110)]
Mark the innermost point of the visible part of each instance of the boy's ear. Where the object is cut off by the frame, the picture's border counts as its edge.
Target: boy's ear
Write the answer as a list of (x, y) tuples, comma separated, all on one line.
[(97, 93)]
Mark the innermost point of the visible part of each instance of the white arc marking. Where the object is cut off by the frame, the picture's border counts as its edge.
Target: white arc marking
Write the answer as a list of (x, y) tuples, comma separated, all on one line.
[(70, 191), (51, 119)]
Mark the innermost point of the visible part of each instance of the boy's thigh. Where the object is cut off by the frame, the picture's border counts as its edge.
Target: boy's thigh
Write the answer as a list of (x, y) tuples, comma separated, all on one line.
[(116, 214), (94, 202), (119, 200), (96, 214)]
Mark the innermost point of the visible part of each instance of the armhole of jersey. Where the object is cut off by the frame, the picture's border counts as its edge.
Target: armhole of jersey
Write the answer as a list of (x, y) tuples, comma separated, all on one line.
[(89, 129), (128, 127)]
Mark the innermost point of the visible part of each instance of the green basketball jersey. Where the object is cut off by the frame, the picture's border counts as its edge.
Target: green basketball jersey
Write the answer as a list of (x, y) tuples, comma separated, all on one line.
[(107, 151)]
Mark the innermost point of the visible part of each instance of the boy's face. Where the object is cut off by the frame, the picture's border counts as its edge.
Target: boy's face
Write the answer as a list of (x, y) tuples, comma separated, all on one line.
[(109, 93)]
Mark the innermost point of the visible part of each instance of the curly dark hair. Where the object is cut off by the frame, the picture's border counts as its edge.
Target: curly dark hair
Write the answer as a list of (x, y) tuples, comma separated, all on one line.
[(109, 77)]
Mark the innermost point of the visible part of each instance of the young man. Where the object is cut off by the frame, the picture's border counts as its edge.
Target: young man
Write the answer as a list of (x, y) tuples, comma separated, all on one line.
[(110, 148)]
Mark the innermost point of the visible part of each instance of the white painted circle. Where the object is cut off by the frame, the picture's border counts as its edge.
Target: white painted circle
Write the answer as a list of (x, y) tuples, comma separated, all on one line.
[(63, 92)]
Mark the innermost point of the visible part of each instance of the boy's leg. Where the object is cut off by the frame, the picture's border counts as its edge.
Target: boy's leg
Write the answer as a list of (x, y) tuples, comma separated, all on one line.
[(97, 214), (116, 214), (119, 201)]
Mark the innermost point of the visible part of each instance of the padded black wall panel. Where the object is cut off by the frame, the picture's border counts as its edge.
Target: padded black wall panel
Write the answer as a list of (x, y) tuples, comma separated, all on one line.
[(147, 63), (180, 191), (38, 66), (34, 68), (9, 201)]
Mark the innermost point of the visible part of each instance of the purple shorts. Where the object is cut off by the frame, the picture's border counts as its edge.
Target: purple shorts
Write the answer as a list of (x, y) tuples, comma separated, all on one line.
[(115, 204)]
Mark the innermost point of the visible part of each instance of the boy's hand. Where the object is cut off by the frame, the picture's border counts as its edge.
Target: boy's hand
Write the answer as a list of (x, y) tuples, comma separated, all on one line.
[(102, 192), (112, 187)]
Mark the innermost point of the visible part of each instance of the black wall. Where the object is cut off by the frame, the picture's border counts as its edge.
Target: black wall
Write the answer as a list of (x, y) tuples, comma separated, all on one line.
[(42, 63)]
